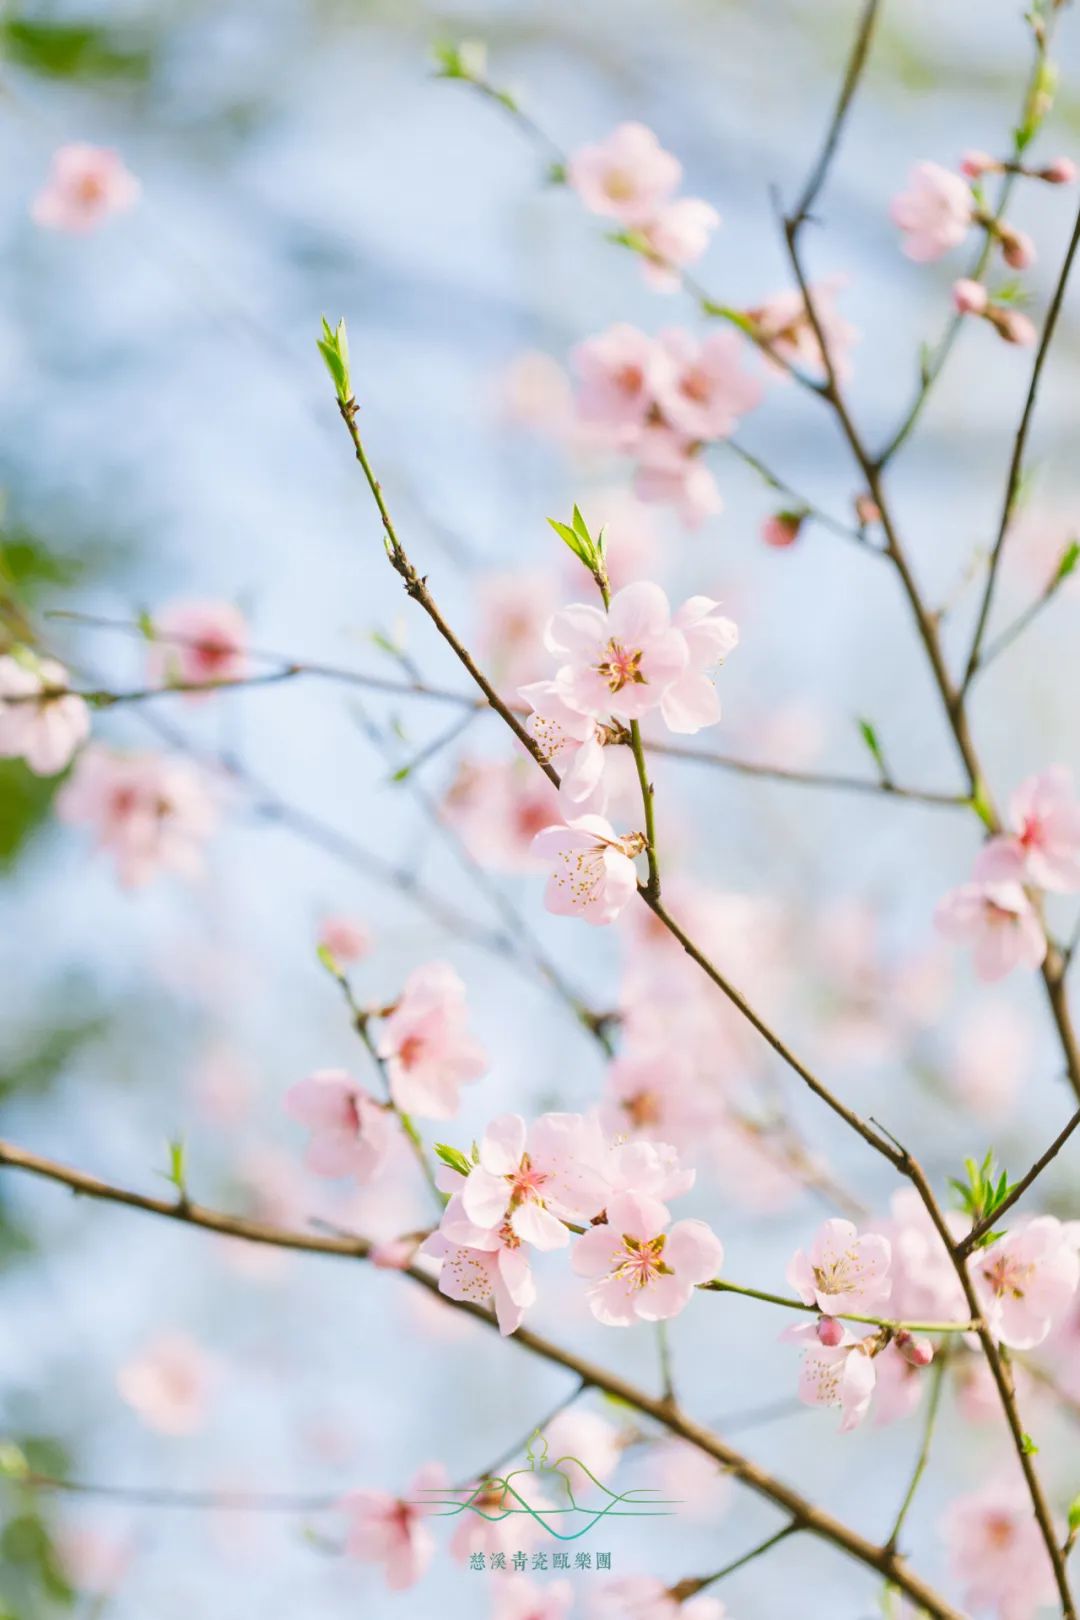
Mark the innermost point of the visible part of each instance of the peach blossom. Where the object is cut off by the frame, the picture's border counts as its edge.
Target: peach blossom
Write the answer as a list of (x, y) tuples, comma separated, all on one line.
[(426, 1045), (1042, 846), (85, 185), (935, 213), (626, 177), (198, 643), (169, 1384), (350, 1131), (998, 921), (35, 724), (392, 1531), (151, 812), (637, 1269)]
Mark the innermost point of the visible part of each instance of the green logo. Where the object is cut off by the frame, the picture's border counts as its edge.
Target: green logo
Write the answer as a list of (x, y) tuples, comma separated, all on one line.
[(497, 1496)]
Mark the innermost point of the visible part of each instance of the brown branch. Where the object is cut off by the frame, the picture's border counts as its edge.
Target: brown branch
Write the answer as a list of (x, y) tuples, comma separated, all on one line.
[(860, 51), (980, 1228), (1016, 462), (803, 1513)]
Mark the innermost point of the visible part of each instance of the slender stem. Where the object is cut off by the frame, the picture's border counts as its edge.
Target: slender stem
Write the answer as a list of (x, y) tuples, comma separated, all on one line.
[(153, 1496), (814, 1520), (860, 51), (843, 530), (652, 887), (1014, 630), (937, 1382), (697, 1583), (1016, 462), (718, 1285)]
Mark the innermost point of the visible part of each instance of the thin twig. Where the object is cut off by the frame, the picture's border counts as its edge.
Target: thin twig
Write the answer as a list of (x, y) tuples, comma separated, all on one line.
[(980, 1229), (937, 1382), (857, 60)]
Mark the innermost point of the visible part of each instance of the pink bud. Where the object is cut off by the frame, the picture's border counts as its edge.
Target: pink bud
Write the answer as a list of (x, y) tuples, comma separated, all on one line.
[(1015, 327), (975, 164), (1062, 172), (919, 1352), (867, 510), (970, 297), (782, 528), (830, 1331), (1017, 248)]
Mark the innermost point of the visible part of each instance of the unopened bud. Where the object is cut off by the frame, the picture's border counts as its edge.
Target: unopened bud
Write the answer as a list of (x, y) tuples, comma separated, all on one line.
[(1017, 248), (782, 528), (830, 1331), (975, 164), (970, 297), (1062, 172), (1014, 326), (919, 1352), (867, 510)]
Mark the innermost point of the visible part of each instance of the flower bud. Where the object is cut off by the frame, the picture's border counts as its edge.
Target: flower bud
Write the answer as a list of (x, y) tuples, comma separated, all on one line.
[(867, 510), (1017, 248), (1015, 327), (1062, 172), (919, 1352), (970, 297), (975, 164), (830, 1331), (782, 528)]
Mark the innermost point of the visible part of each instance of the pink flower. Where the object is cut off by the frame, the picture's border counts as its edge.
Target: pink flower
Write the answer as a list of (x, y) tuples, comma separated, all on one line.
[(571, 742), (669, 475), (840, 1374), (1061, 171), (619, 661), (655, 1094), (43, 730), (519, 1599), (649, 1170), (645, 1597), (970, 297), (925, 1284), (677, 235), (627, 177), (86, 184), (152, 812), (997, 1553), (783, 323), (998, 921), (703, 391), (346, 939), (483, 1266), (538, 1178), (617, 371), (935, 213), (638, 1271), (843, 1272), (1043, 846), (593, 875), (782, 529), (1027, 1280), (691, 701), (197, 643), (426, 1046), (350, 1131), (169, 1384), (497, 807), (388, 1530)]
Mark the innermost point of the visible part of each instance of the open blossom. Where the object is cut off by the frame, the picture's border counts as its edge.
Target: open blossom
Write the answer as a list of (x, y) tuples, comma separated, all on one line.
[(691, 701), (703, 390), (843, 1272), (637, 1269), (169, 1384), (1027, 1280), (426, 1045), (649, 1170), (627, 177), (935, 213), (997, 1553), (677, 234), (197, 643), (668, 474), (998, 921), (783, 323), (152, 813), (85, 185), (645, 1597), (391, 1530), (617, 661), (350, 1131), (925, 1284), (570, 741), (839, 1373), (617, 372), (592, 873), (42, 729), (537, 1178), (497, 807), (486, 1266), (1043, 845)]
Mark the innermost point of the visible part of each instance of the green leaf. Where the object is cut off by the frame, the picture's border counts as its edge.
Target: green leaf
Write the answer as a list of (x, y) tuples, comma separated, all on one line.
[(1069, 559), (334, 348), (870, 738), (61, 50), (463, 59), (1074, 1513), (1030, 1449), (453, 1157), (328, 960), (579, 540)]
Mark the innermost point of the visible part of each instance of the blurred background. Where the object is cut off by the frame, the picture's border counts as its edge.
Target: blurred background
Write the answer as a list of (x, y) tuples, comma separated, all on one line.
[(167, 431)]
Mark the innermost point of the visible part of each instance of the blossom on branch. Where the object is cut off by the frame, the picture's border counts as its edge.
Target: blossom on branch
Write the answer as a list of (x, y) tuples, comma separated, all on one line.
[(1027, 1280), (843, 1272), (197, 643), (998, 921), (1042, 847), (350, 1131), (637, 1269), (390, 1530), (593, 875), (426, 1046), (41, 721), (935, 213), (152, 812)]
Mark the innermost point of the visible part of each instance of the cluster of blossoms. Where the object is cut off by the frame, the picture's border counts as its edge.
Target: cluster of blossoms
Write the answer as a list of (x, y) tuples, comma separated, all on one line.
[(939, 209), (662, 400), (529, 1187), (1040, 851), (630, 179), (617, 664)]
